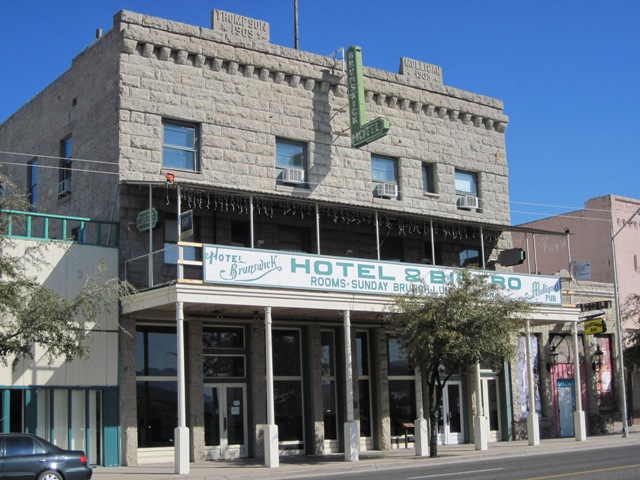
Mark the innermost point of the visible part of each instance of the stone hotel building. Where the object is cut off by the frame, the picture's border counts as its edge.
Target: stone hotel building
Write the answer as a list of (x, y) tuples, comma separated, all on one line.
[(265, 246)]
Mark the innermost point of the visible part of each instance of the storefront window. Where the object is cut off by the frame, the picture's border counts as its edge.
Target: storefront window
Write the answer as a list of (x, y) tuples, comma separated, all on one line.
[(402, 388), (156, 388), (329, 396), (157, 413), (287, 385), (364, 382)]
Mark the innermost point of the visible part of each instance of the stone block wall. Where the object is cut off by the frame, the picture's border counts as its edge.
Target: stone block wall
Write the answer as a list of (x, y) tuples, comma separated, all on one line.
[(82, 104), (243, 96)]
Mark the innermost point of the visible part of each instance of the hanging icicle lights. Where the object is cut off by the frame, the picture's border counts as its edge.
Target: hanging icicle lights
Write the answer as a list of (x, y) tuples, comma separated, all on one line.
[(222, 202)]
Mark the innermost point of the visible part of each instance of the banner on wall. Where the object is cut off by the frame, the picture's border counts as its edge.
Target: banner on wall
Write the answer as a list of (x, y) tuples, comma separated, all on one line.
[(267, 268), (524, 378)]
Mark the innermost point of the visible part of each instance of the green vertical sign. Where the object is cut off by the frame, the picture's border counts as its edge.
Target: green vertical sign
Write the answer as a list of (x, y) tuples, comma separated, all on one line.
[(361, 133)]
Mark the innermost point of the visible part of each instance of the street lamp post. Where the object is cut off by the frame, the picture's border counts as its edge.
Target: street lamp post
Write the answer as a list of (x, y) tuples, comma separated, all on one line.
[(616, 293)]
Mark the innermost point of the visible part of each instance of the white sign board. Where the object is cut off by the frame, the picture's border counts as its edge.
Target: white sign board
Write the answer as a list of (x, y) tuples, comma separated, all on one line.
[(265, 268), (581, 270)]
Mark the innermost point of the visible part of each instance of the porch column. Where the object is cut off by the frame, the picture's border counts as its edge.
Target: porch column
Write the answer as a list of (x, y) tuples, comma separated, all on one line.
[(351, 439), (150, 258), (271, 458), (181, 432), (579, 424), (420, 433), (480, 423), (533, 422)]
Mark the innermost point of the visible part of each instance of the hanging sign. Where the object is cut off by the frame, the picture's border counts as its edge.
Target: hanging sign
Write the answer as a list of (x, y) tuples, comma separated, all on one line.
[(147, 218), (361, 133), (595, 326), (186, 224)]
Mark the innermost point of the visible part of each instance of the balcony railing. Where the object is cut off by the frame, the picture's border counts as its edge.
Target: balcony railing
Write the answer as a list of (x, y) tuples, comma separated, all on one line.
[(44, 226), (162, 267)]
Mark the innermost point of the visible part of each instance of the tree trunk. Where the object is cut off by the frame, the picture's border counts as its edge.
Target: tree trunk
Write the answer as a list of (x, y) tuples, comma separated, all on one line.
[(435, 404), (433, 432)]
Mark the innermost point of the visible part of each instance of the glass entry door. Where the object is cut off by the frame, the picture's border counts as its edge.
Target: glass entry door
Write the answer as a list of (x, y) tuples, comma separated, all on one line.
[(566, 406), (450, 428), (225, 417), (491, 406)]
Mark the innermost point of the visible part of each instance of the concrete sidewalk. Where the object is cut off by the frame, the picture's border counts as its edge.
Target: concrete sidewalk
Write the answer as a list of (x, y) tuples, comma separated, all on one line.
[(310, 466)]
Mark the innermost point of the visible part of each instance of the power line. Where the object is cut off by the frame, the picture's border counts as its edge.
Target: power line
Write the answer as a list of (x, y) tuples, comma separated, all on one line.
[(559, 206), (54, 167), (52, 157), (549, 215)]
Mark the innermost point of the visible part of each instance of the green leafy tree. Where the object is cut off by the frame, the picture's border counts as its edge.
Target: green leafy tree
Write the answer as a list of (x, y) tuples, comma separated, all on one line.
[(473, 321), (32, 314), (631, 313)]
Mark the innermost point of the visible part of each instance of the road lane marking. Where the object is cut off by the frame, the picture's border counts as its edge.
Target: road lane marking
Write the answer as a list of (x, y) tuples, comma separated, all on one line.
[(585, 471), (456, 473)]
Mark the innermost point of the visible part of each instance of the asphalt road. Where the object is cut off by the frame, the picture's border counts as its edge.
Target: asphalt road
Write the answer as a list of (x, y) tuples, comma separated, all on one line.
[(622, 463)]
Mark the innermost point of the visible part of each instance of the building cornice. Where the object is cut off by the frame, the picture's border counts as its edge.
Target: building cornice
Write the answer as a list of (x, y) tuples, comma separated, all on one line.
[(207, 49)]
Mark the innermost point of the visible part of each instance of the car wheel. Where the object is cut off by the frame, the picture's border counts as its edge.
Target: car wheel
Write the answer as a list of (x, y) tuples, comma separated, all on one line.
[(50, 475)]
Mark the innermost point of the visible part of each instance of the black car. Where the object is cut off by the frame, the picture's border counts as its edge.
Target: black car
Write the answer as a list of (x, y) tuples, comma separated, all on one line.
[(24, 456)]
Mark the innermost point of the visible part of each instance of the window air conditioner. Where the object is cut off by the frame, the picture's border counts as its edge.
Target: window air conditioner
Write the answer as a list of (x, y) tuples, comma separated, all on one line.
[(293, 175), (468, 201), (387, 190), (64, 187)]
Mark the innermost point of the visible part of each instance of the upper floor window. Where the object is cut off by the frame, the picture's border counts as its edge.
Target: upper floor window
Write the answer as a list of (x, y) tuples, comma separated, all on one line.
[(391, 249), (179, 148), (428, 178), (66, 152), (384, 174), (291, 162), (466, 183), (240, 234), (469, 256), (171, 241), (467, 190), (293, 239), (32, 183)]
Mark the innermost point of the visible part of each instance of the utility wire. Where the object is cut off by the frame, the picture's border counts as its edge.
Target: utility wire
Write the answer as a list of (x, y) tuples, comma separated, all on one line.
[(54, 167), (73, 159)]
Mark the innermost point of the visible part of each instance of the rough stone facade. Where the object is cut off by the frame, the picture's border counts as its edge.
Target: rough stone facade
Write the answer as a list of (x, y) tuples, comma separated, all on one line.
[(243, 94)]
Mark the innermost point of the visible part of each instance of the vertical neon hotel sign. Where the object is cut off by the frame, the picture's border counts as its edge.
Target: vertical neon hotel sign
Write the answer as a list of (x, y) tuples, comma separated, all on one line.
[(361, 133)]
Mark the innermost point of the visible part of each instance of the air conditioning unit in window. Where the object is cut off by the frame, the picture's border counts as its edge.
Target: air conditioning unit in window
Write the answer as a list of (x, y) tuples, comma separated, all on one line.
[(64, 187), (468, 201), (293, 175), (387, 190)]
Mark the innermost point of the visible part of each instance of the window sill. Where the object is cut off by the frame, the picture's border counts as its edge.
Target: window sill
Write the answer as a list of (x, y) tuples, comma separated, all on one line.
[(431, 195), (302, 189), (387, 201), (184, 173)]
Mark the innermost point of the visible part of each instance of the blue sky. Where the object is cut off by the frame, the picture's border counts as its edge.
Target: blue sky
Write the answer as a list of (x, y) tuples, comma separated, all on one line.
[(568, 71)]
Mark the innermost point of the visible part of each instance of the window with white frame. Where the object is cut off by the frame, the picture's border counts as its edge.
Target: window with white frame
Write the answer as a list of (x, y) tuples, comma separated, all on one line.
[(466, 183), (329, 385), (179, 145), (402, 388), (156, 385), (224, 353), (384, 175), (288, 388), (291, 162)]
